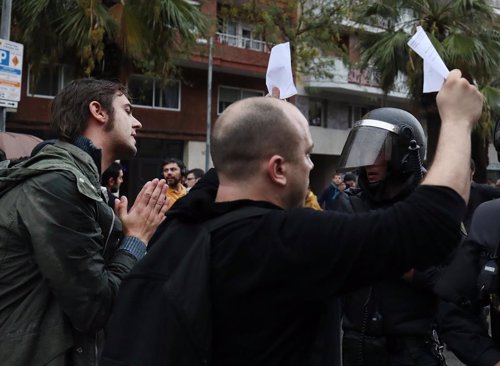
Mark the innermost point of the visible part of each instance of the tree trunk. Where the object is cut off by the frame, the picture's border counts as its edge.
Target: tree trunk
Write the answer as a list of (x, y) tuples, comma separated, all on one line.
[(480, 156), (479, 144), (433, 125)]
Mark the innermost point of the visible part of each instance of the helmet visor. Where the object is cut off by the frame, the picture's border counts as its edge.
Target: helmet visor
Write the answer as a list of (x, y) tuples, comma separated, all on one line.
[(366, 142)]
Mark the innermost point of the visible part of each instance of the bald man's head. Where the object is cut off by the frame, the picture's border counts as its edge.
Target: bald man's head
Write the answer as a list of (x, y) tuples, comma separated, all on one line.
[(251, 130)]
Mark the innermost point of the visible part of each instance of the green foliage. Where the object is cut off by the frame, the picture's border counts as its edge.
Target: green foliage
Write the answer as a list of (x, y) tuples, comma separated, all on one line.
[(465, 33), (313, 28), (151, 34)]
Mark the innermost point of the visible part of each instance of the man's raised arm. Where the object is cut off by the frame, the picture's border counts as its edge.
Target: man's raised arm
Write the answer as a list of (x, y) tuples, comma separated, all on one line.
[(460, 105)]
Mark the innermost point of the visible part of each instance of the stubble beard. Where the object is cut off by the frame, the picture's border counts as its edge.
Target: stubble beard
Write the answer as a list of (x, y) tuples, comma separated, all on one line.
[(173, 183)]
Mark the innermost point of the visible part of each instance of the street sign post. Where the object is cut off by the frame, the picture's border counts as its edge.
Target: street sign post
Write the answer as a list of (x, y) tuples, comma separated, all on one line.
[(5, 34)]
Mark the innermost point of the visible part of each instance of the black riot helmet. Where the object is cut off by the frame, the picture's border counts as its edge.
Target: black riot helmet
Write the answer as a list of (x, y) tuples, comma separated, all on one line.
[(389, 131)]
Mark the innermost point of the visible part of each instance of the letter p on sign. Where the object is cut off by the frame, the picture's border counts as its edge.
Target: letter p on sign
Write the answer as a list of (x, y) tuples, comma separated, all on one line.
[(4, 57)]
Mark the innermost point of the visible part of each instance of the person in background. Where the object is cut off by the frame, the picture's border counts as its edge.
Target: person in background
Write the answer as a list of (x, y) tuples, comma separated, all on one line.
[(311, 200), (173, 171), (327, 198), (193, 176), (350, 180), (111, 180)]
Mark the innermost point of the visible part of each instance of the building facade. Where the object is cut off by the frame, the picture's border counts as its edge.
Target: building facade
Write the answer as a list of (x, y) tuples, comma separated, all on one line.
[(174, 116)]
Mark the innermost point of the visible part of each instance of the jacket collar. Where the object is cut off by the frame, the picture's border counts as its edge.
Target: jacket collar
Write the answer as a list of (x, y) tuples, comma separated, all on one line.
[(87, 145)]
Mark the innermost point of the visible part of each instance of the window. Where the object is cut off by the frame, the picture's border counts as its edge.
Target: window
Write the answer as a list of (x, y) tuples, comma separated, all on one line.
[(51, 79), (238, 34), (317, 112), (148, 91), (356, 113), (228, 95)]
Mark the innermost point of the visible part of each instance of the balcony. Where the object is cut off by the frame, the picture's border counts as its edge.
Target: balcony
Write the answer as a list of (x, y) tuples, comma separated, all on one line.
[(242, 42), (350, 80)]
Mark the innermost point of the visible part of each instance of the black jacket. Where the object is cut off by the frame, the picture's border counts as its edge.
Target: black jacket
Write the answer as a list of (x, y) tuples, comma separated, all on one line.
[(403, 308), (479, 193), (461, 324), (271, 277)]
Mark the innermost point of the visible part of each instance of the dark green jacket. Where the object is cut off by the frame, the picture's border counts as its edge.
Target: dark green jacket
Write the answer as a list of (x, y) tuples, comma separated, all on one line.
[(59, 267)]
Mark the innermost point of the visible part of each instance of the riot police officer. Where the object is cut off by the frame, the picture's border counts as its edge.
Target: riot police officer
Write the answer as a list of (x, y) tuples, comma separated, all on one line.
[(392, 322), (470, 285)]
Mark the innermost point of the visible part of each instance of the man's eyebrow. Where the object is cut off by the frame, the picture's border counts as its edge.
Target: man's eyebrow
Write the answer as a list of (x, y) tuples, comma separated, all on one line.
[(129, 106)]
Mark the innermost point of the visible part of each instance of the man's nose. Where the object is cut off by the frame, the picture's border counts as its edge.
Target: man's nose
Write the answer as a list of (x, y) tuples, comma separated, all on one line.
[(136, 123)]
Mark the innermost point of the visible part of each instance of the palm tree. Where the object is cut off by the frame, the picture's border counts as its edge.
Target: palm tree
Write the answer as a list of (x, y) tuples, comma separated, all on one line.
[(151, 34), (313, 28), (465, 34)]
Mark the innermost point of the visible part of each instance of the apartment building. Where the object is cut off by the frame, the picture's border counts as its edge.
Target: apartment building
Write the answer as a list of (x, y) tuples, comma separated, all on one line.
[(174, 117)]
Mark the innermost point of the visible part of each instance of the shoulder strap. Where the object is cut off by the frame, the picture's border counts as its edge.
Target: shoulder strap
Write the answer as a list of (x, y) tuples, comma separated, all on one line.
[(232, 216)]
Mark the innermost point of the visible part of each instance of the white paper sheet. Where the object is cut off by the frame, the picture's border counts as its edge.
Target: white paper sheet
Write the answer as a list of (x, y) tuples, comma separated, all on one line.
[(433, 81), (435, 71), (279, 71)]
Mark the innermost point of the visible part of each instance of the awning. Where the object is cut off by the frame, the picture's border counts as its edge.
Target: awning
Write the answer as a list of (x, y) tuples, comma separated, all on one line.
[(493, 166), (17, 145)]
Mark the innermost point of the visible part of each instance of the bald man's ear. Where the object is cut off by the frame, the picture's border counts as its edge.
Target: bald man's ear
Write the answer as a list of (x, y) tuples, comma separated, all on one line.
[(276, 170), (97, 112)]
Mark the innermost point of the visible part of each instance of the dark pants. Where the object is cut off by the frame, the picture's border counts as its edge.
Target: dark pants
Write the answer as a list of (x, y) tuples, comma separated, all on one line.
[(361, 350)]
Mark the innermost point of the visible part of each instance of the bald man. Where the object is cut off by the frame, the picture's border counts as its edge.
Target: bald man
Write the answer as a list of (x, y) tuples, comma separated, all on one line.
[(270, 277)]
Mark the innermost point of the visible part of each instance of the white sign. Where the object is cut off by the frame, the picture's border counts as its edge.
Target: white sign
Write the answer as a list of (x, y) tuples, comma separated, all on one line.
[(435, 71), (11, 69), (279, 71)]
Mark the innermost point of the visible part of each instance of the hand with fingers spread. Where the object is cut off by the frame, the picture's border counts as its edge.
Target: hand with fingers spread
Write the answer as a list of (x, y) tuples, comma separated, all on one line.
[(147, 212)]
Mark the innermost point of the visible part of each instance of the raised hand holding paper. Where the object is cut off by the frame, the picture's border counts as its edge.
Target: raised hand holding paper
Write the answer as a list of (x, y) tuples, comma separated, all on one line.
[(435, 71), (279, 71)]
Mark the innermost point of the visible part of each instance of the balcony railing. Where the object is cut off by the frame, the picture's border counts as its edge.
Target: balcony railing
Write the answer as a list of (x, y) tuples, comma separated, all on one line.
[(242, 42), (367, 77), (345, 77)]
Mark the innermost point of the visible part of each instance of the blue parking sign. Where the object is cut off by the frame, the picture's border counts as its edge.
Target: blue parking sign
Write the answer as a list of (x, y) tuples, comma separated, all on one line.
[(4, 57), (11, 69)]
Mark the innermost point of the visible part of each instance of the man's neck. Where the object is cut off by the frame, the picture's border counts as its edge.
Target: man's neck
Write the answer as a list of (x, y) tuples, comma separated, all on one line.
[(176, 188), (98, 139), (88, 146), (241, 191)]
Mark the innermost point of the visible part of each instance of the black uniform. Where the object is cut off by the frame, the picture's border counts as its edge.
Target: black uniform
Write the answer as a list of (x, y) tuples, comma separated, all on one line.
[(464, 294), (390, 322), (479, 193)]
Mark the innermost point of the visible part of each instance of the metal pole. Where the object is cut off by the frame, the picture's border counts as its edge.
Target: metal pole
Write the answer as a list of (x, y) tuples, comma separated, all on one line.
[(209, 104), (5, 34), (6, 13)]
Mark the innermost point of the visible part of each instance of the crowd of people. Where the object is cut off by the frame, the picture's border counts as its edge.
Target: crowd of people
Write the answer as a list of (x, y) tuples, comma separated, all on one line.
[(237, 271), (179, 180)]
